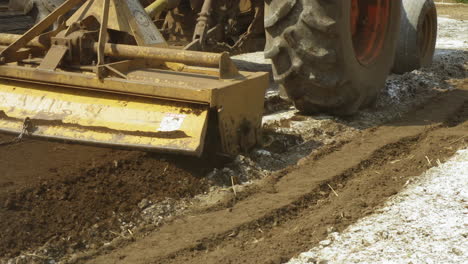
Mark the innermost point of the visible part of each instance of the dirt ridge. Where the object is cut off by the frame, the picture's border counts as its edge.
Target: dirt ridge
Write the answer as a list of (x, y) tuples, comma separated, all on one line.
[(193, 233)]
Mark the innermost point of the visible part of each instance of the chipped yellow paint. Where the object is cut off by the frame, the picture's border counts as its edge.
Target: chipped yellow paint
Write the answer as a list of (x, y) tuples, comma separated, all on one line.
[(113, 119)]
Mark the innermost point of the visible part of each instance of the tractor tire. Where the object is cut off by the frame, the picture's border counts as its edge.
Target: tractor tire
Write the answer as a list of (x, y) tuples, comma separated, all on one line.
[(418, 35), (45, 7), (323, 55)]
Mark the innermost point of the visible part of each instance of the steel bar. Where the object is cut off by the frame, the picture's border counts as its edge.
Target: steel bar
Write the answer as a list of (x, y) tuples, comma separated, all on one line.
[(7, 39), (137, 52), (163, 54), (156, 8), (103, 32)]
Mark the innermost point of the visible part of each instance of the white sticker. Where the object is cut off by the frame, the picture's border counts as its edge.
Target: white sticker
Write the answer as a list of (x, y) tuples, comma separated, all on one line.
[(171, 122)]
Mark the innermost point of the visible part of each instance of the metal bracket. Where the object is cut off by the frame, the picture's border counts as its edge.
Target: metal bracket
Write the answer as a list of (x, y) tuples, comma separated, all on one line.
[(144, 30), (53, 58), (202, 23), (102, 39)]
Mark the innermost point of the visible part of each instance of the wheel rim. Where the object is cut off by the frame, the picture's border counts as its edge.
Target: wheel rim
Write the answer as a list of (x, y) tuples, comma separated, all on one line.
[(369, 22)]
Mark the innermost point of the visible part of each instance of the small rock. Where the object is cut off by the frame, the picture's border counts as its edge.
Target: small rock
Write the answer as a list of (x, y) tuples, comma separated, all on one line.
[(108, 245), (334, 236), (240, 158), (144, 204), (263, 152), (325, 243), (312, 260)]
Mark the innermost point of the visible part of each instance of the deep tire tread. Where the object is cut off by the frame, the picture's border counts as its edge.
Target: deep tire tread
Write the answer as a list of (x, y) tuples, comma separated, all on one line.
[(321, 52), (303, 48)]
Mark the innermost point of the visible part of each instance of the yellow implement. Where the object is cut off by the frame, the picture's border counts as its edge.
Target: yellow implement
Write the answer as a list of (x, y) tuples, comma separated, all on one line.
[(106, 76)]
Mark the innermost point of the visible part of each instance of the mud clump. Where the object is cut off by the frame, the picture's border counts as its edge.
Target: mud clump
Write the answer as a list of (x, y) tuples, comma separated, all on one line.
[(84, 209)]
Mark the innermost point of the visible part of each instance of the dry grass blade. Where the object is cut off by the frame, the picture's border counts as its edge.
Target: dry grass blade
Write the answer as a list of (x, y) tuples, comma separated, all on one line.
[(333, 190)]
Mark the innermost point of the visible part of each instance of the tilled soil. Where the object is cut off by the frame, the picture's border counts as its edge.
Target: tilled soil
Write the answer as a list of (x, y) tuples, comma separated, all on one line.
[(77, 204), (272, 221), (83, 205), (327, 191), (423, 223)]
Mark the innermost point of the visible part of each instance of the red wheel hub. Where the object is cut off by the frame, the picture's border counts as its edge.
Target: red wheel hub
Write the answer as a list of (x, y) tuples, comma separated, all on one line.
[(369, 23)]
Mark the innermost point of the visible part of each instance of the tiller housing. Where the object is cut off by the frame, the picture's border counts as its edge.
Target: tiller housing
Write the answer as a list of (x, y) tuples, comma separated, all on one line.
[(105, 75)]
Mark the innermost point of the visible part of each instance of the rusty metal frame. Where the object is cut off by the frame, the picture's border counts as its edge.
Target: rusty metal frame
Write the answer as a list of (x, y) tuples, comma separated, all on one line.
[(207, 79), (102, 40), (221, 61)]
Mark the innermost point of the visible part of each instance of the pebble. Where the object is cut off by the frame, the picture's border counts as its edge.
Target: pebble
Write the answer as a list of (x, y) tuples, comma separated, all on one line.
[(263, 152), (325, 243), (143, 204)]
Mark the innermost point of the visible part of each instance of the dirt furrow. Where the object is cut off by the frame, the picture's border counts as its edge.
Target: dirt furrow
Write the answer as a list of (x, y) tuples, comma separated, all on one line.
[(68, 203), (230, 234)]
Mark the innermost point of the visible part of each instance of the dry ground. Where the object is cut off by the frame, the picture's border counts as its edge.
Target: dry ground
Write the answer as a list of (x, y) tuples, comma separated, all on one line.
[(83, 204), (455, 11)]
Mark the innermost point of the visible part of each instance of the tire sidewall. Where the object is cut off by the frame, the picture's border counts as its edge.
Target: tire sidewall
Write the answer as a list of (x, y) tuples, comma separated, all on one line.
[(408, 55), (368, 79), (314, 59), (428, 8)]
